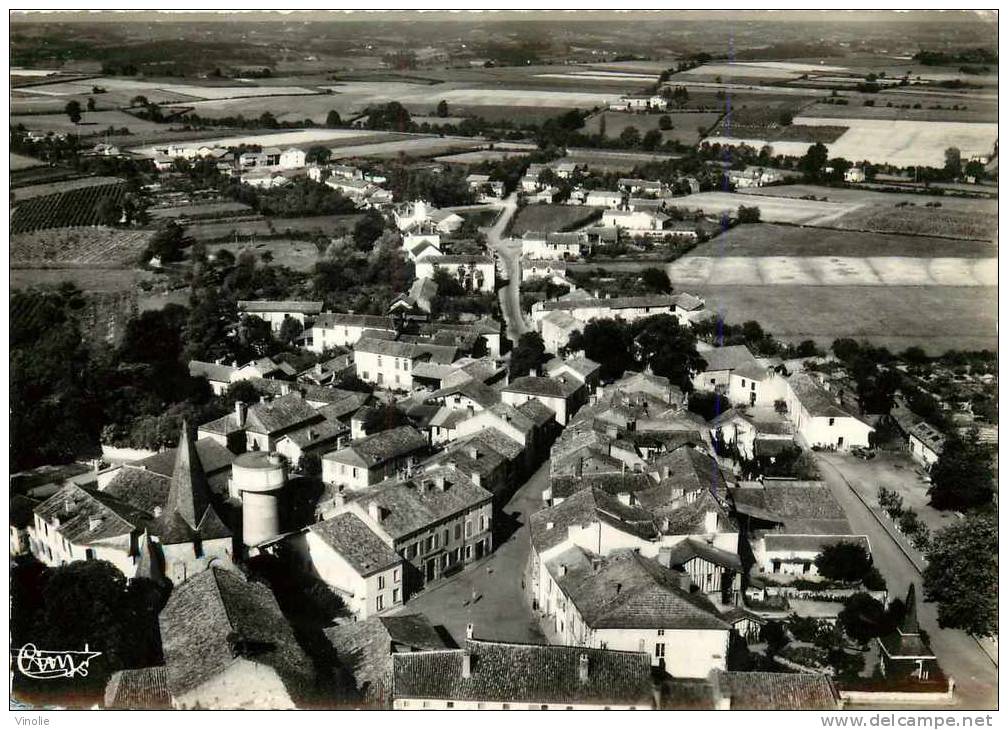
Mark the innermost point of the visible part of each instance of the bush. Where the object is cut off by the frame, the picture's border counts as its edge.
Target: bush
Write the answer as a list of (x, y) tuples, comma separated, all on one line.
[(891, 502)]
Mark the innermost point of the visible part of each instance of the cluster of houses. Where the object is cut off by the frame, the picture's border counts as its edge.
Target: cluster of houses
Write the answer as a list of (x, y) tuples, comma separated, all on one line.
[(650, 554), (361, 187), (650, 558)]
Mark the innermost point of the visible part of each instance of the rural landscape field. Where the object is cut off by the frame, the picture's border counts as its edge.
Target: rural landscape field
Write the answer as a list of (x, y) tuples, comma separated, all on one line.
[(490, 360)]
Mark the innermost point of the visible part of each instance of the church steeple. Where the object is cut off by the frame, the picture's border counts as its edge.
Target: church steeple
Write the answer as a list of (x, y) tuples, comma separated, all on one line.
[(909, 624), (188, 496)]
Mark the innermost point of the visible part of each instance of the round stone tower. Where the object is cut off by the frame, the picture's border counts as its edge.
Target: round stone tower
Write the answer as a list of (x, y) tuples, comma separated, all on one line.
[(259, 478)]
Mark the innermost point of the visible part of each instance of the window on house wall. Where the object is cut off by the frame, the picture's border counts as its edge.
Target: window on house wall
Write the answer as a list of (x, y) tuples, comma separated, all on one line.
[(659, 651), (468, 528), (395, 575), (381, 582), (831, 421), (380, 602), (661, 632), (444, 537), (395, 595), (458, 531)]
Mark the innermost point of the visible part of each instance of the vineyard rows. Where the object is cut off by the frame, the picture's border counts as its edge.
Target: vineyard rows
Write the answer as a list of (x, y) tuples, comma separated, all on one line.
[(91, 245), (70, 208)]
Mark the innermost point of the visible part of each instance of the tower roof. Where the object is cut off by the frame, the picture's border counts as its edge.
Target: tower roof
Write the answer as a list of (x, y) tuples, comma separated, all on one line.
[(188, 495), (909, 624)]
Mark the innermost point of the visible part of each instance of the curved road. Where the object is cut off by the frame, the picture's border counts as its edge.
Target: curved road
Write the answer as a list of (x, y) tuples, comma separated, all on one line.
[(509, 252)]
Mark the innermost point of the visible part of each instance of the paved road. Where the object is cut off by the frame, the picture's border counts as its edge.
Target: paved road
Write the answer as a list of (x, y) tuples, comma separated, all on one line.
[(958, 653), (499, 611), (510, 255)]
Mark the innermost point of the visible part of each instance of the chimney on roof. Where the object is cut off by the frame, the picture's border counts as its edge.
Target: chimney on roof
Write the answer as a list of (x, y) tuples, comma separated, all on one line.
[(263, 400), (469, 631), (466, 663), (318, 368), (710, 521), (374, 511), (563, 570), (234, 363), (532, 372), (549, 525), (473, 452), (284, 388), (157, 510), (240, 410), (94, 523), (583, 668)]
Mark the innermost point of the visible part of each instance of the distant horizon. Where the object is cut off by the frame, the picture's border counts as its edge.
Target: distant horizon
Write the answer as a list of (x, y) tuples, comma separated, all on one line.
[(492, 15)]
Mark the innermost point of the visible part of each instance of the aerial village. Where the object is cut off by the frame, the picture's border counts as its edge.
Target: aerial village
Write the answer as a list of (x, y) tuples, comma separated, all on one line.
[(486, 466)]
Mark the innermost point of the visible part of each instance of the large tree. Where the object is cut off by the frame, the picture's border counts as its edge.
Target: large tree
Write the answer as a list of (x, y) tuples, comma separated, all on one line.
[(668, 348), (73, 110), (962, 574), (863, 618), (812, 163), (962, 478), (528, 355), (846, 561), (607, 342)]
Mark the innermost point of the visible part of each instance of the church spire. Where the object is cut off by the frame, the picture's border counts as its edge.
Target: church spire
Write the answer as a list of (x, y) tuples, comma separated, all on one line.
[(909, 624), (188, 495)]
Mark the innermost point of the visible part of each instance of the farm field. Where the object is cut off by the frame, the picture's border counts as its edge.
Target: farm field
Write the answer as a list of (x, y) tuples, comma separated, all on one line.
[(886, 271), (201, 210), (905, 143), (767, 239), (28, 192), (478, 156), (614, 161), (976, 111), (415, 146), (296, 255), (916, 220), (91, 122), (772, 210), (770, 70), (92, 246), (299, 137), (23, 162), (136, 86), (248, 228), (867, 196), (550, 218), (87, 279), (71, 208), (936, 318), (685, 125)]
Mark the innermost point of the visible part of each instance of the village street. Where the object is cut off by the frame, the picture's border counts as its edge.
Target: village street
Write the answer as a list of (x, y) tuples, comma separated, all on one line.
[(958, 653), (499, 611), (510, 256)]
